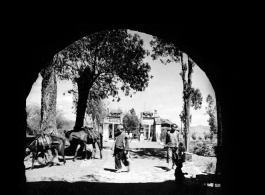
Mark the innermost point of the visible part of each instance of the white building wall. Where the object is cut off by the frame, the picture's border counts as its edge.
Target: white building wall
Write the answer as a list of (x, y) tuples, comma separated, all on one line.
[(106, 132), (158, 132)]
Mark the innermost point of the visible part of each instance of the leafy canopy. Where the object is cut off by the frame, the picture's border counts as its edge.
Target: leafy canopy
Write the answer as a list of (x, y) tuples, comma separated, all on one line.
[(211, 111), (168, 52), (130, 120), (34, 118), (97, 108), (106, 57), (165, 50)]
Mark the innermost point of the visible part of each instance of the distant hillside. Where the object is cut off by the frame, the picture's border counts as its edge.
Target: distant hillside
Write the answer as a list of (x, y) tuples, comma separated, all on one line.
[(200, 129)]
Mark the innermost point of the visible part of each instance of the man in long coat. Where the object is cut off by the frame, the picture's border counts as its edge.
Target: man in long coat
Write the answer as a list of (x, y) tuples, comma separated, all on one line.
[(121, 148), (172, 141)]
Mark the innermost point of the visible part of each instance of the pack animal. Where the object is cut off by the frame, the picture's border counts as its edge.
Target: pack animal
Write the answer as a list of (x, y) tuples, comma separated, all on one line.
[(82, 138), (43, 143)]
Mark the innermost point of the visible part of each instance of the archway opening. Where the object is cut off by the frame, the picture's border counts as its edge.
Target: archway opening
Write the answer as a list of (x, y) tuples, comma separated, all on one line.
[(175, 73)]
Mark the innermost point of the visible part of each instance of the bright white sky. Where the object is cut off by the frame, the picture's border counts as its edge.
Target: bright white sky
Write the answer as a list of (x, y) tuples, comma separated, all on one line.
[(163, 94)]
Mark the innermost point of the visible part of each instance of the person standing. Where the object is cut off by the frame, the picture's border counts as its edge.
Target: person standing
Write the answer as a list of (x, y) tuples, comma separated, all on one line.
[(121, 149), (172, 141), (180, 158)]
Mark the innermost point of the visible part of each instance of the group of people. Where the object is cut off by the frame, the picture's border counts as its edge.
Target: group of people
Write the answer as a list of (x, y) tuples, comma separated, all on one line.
[(174, 145)]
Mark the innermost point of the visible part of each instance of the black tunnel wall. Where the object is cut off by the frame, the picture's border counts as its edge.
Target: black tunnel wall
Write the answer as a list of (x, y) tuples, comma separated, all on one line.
[(209, 47)]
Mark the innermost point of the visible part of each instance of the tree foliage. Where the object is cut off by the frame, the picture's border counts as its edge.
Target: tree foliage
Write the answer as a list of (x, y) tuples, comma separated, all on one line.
[(194, 136), (165, 50), (211, 111), (170, 53), (97, 109), (191, 97), (203, 149), (100, 61), (111, 56), (196, 99), (34, 119), (61, 122), (130, 120)]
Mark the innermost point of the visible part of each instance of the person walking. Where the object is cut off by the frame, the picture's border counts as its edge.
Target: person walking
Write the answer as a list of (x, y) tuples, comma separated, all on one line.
[(121, 149), (172, 141)]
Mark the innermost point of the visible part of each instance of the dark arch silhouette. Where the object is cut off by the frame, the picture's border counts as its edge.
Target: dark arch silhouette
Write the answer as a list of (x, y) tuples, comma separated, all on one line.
[(206, 44)]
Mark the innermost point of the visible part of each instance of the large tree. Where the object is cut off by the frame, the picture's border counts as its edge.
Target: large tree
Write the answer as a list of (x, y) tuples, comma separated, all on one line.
[(168, 52), (48, 99), (191, 97), (130, 120), (99, 61), (96, 107)]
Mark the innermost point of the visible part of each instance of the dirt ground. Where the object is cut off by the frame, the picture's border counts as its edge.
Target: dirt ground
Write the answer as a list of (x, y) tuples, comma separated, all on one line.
[(148, 175), (72, 167)]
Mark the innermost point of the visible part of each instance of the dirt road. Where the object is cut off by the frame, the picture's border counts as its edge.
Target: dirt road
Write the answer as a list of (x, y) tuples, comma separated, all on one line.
[(147, 175)]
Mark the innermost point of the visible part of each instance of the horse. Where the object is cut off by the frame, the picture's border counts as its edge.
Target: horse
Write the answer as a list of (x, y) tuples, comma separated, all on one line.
[(82, 138), (42, 143)]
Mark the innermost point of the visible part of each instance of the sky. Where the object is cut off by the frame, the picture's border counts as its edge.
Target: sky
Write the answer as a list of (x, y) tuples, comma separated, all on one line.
[(164, 92)]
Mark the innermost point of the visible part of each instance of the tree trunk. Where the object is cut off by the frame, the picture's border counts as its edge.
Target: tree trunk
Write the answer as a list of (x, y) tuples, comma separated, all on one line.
[(81, 107), (84, 84), (183, 64), (186, 98), (188, 124), (48, 100), (188, 101)]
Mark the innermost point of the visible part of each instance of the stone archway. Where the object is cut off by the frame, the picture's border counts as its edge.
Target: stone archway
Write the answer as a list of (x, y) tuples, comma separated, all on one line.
[(153, 123), (112, 119), (41, 42)]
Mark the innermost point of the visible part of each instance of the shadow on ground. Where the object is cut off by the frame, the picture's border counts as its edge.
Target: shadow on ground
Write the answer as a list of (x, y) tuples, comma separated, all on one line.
[(66, 188), (149, 153), (111, 170), (162, 167), (70, 151)]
